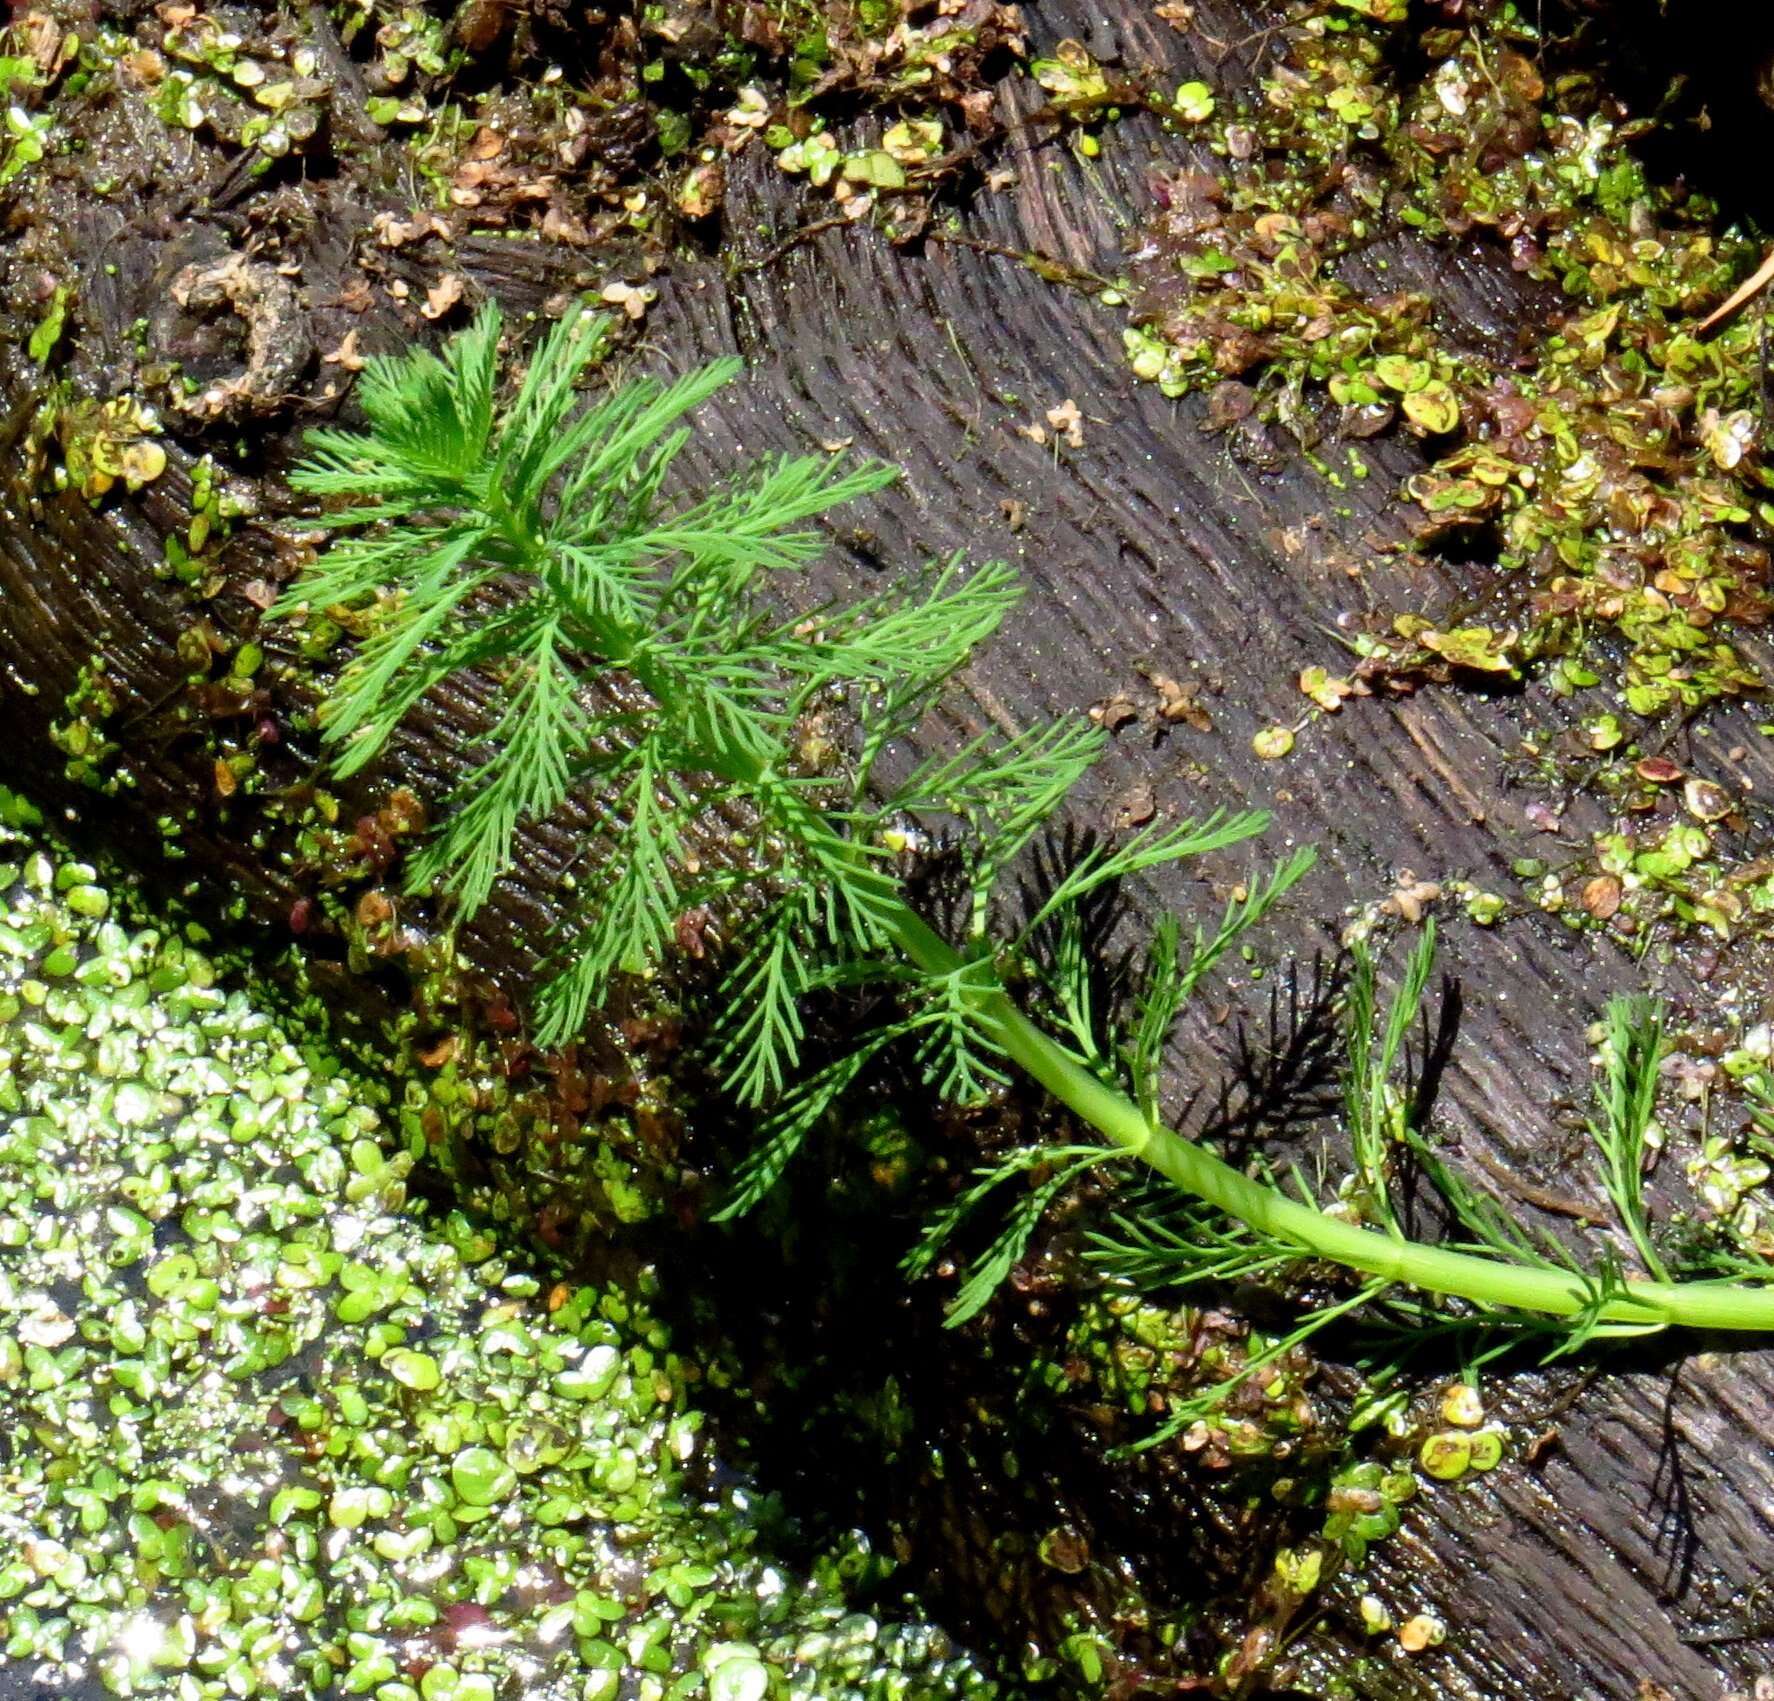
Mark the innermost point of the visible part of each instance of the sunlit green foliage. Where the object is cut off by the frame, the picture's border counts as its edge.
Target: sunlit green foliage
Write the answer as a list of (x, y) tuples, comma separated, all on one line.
[(648, 677), (646, 674)]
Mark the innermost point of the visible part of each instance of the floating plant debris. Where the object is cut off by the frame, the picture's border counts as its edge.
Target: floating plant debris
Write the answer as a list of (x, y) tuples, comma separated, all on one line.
[(267, 1429), (1613, 471)]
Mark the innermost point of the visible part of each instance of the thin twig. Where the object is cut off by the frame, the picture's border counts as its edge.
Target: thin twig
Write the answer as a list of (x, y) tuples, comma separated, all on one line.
[(792, 241), (1529, 1193), (1752, 286), (1048, 270)]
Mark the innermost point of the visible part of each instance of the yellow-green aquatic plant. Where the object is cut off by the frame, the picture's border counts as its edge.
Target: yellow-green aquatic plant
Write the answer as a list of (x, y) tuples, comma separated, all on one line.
[(645, 671), (274, 1428)]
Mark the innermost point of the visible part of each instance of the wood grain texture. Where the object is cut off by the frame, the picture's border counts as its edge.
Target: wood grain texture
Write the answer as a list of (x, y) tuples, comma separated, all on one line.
[(1647, 1528)]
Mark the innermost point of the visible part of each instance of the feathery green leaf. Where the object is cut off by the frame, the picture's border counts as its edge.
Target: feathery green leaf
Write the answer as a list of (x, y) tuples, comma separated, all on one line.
[(646, 675)]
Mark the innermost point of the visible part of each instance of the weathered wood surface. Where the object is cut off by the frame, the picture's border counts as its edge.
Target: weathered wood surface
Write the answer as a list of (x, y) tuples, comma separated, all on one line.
[(1634, 1549)]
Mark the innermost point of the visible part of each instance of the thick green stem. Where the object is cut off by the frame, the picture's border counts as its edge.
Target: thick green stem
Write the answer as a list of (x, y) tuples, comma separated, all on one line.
[(1433, 1269)]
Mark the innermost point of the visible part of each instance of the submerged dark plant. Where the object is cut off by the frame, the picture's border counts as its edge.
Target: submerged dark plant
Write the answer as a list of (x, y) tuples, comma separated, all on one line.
[(645, 672), (1155, 1243)]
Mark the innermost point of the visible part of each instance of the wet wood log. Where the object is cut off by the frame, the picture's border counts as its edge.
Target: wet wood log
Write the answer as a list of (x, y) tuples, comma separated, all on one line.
[(1632, 1551)]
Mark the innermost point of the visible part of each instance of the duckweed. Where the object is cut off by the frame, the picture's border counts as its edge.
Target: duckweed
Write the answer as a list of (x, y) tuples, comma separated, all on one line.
[(265, 1430), (1614, 476), (1446, 1455)]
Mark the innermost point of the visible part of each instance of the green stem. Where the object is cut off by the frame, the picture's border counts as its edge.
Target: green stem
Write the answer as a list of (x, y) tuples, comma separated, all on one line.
[(1389, 1256), (1432, 1269)]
